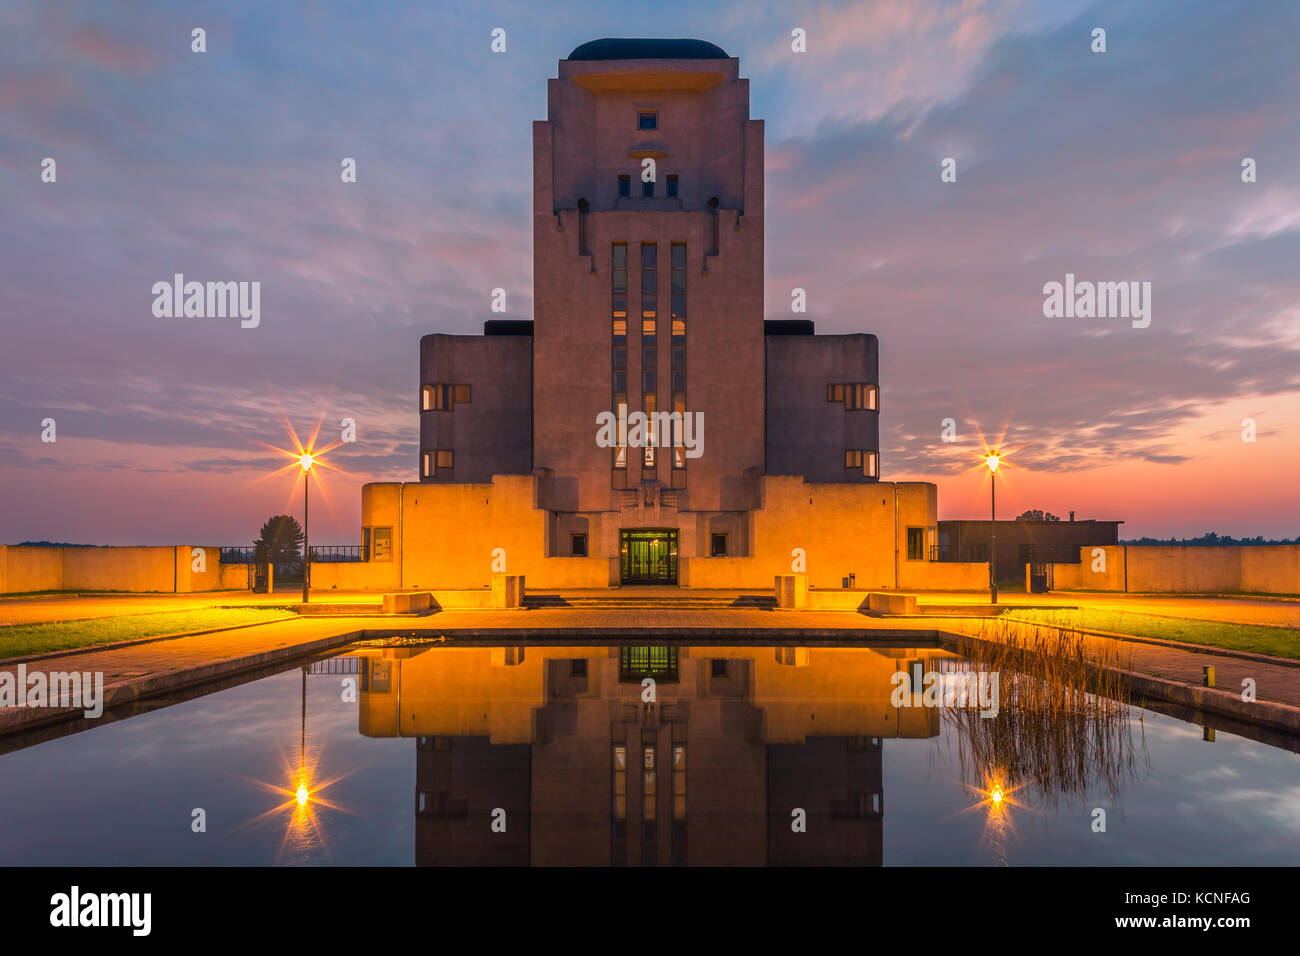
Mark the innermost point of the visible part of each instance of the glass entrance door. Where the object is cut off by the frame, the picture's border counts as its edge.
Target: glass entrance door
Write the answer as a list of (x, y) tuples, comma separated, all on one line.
[(648, 556)]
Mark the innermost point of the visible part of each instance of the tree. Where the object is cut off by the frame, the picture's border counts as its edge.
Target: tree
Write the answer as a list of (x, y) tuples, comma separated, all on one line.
[(281, 536), (1035, 514)]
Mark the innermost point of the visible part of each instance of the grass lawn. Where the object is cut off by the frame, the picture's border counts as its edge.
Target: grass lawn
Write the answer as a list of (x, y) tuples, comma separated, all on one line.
[(1278, 641), (20, 640)]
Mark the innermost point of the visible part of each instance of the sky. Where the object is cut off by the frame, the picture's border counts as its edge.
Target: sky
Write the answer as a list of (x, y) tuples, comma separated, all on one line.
[(225, 165)]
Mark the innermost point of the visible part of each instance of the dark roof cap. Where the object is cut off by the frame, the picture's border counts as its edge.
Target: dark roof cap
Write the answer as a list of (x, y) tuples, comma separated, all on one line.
[(508, 327), (788, 327), (636, 48)]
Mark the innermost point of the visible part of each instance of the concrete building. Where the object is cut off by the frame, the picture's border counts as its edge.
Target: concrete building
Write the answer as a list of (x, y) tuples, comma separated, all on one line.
[(648, 426)]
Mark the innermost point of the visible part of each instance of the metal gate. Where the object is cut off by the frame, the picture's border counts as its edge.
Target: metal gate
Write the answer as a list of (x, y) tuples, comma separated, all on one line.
[(261, 569), (1040, 578)]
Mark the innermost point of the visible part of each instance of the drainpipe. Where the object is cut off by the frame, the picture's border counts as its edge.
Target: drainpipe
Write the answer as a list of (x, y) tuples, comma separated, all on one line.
[(401, 537)]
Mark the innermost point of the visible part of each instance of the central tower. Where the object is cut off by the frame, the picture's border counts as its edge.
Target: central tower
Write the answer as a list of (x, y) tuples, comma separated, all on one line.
[(648, 280)]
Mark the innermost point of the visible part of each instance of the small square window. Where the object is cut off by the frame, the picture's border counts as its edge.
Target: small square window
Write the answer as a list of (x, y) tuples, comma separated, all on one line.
[(718, 548), (647, 119), (648, 189), (719, 667), (672, 188), (578, 667), (444, 459), (624, 187), (853, 458), (462, 394), (578, 545)]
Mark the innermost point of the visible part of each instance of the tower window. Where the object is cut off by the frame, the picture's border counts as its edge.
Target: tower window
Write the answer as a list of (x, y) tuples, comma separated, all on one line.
[(672, 187), (648, 189), (718, 547), (578, 545), (624, 187), (647, 119)]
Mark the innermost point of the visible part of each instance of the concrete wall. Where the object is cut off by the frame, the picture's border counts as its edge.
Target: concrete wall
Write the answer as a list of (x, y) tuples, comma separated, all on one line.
[(1265, 569), (160, 569), (806, 434)]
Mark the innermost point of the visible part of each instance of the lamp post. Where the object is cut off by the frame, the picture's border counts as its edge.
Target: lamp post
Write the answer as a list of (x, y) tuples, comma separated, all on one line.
[(306, 461), (993, 461)]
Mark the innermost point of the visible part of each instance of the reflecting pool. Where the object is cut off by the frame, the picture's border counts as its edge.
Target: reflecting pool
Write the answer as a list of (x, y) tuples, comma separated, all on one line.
[(392, 753)]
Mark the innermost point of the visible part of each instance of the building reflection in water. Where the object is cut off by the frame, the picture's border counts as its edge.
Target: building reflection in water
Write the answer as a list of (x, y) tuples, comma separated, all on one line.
[(588, 773)]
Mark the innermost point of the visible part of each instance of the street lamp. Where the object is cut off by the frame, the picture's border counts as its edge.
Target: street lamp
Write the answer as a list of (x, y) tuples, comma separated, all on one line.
[(993, 460), (306, 460)]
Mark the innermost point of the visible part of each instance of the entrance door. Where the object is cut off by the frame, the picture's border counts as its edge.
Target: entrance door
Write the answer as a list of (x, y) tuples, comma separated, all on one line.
[(648, 556)]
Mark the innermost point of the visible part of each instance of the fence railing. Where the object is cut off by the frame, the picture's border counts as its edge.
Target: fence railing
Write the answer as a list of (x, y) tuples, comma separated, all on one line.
[(320, 554)]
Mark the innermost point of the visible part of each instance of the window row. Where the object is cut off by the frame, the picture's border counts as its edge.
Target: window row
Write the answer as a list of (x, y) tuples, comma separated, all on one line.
[(856, 396), (648, 188), (868, 461), (436, 460), (443, 398)]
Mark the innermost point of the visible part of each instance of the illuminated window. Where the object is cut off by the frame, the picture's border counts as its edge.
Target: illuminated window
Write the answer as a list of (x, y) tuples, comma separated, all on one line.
[(650, 790), (856, 396), (462, 394), (618, 337), (620, 782), (444, 459), (679, 781), (868, 461), (916, 544)]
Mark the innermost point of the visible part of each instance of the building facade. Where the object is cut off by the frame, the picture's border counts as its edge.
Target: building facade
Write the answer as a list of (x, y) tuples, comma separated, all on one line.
[(648, 426)]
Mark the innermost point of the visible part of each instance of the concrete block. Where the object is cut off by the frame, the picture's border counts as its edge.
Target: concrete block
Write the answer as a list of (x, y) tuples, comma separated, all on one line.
[(891, 602), (791, 591), (408, 602), (507, 590)]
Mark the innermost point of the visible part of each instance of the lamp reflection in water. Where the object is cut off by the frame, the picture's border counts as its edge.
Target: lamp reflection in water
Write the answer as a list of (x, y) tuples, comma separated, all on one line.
[(304, 796)]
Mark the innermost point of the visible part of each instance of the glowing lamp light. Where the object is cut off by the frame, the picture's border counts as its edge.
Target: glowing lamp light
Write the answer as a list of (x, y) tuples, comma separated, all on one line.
[(996, 795), (993, 461), (302, 794), (306, 461)]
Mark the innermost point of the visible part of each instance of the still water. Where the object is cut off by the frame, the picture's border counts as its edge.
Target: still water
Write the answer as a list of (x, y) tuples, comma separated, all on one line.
[(550, 755)]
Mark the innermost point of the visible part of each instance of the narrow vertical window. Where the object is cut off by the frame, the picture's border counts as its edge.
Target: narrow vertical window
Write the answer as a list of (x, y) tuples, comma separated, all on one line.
[(650, 790), (620, 782), (672, 187), (678, 348), (624, 187), (618, 335), (649, 340), (648, 189)]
